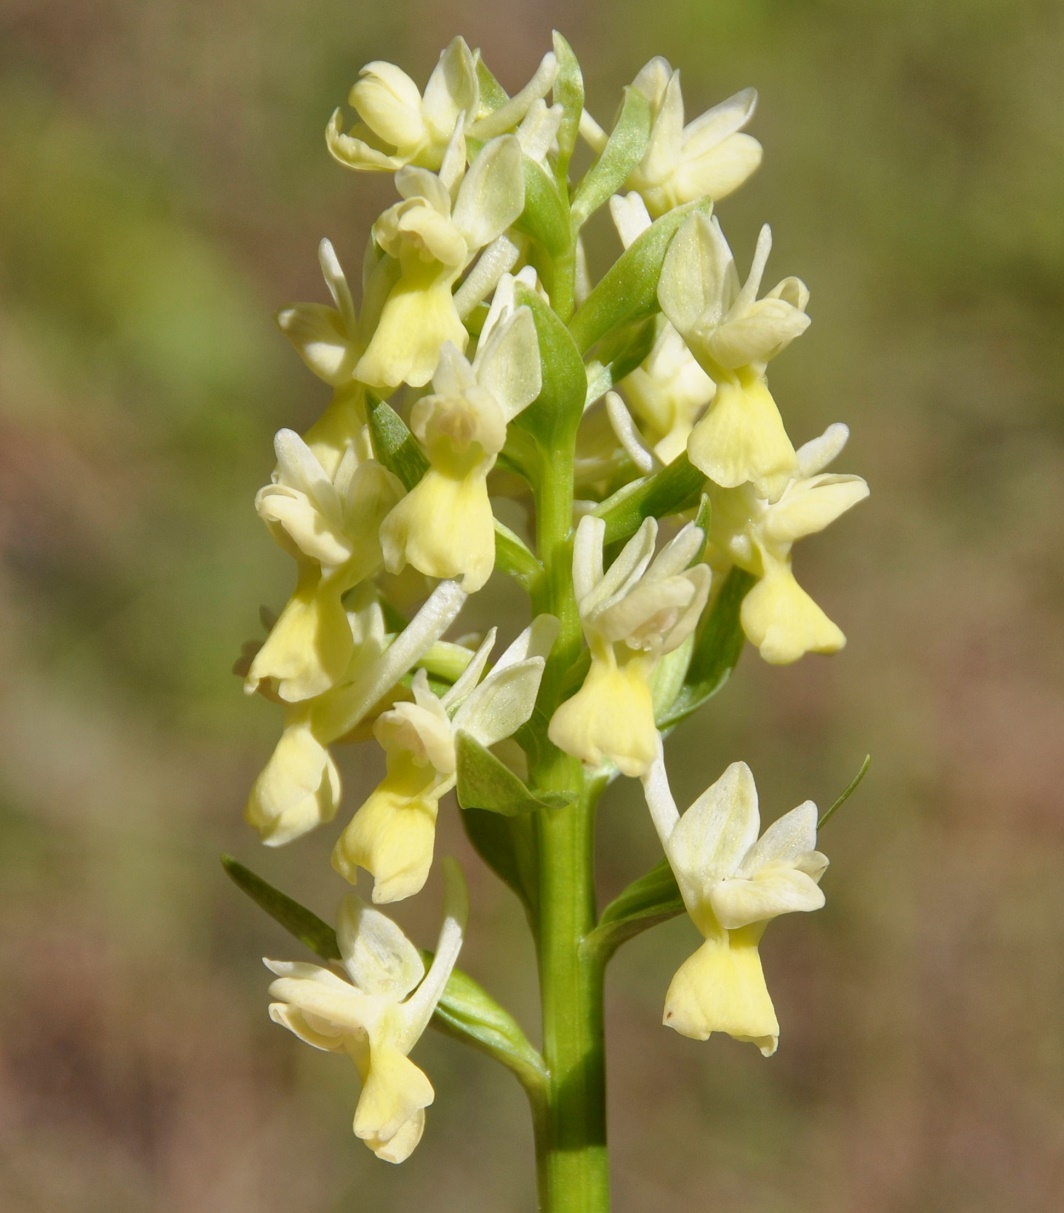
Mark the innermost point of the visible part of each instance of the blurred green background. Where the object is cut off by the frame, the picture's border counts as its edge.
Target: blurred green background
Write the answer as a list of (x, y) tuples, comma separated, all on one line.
[(163, 187)]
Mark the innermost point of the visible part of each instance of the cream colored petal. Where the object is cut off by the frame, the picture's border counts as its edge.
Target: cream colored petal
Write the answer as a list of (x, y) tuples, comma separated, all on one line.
[(318, 537), (587, 556), (713, 127), (389, 102), (298, 789), (694, 274), (508, 364), (308, 649), (626, 570), (321, 340), (354, 152), (414, 1015), (630, 216), (659, 798), (666, 136), (324, 1006), (649, 611), (452, 90), (317, 1033), (378, 957), (772, 890), (402, 1143), (815, 455), (536, 640), (785, 840), (492, 193), (653, 78), (757, 335), (716, 174), (339, 712), (716, 832), (502, 703), (811, 505), (420, 730)]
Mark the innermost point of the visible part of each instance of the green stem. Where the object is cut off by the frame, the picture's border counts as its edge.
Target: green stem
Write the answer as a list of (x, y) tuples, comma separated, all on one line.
[(572, 1163), (572, 1160)]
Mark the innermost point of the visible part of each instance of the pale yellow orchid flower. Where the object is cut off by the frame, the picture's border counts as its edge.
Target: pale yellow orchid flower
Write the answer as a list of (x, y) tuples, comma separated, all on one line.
[(393, 833), (733, 335), (757, 534), (376, 1012), (733, 884), (641, 608)]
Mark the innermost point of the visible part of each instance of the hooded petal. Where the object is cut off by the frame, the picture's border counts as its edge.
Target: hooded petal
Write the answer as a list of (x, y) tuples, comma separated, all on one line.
[(378, 957), (716, 832)]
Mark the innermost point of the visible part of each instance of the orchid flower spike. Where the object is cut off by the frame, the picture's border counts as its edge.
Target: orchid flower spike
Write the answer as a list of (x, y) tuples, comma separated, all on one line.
[(393, 833), (376, 1012), (641, 608), (733, 884)]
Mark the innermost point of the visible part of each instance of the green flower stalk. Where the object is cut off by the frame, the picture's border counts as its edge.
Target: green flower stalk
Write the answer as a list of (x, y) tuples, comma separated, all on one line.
[(663, 494)]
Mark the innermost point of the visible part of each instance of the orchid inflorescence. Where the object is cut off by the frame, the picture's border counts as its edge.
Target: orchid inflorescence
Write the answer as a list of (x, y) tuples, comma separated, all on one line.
[(653, 498)]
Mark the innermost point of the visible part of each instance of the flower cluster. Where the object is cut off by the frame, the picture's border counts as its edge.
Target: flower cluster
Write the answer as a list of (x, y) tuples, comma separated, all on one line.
[(628, 436)]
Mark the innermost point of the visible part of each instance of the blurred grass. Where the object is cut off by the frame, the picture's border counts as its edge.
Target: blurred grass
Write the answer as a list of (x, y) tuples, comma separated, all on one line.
[(163, 188)]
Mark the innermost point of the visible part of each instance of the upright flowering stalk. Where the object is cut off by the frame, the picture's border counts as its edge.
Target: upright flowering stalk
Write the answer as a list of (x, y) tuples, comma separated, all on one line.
[(497, 414)]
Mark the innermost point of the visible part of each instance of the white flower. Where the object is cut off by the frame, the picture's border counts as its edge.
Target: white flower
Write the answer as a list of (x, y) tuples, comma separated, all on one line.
[(757, 534), (733, 335), (392, 835), (642, 608), (707, 158), (444, 526), (376, 1013), (733, 884)]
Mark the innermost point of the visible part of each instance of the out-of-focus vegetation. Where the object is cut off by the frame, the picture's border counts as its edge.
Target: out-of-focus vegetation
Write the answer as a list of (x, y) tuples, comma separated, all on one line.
[(163, 186)]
